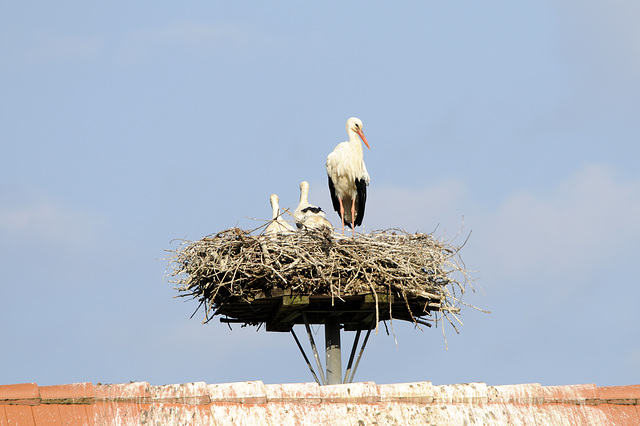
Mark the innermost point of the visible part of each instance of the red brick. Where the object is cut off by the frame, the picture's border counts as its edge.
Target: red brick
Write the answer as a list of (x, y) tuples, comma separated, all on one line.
[(19, 391), (188, 393), (531, 393), (19, 415), (241, 392), (74, 414), (89, 412), (570, 393), (84, 403), (3, 416), (463, 393), (47, 415), (597, 414), (118, 412), (122, 391), (102, 410), (292, 392), (72, 391), (619, 392), (362, 392), (417, 392), (622, 415)]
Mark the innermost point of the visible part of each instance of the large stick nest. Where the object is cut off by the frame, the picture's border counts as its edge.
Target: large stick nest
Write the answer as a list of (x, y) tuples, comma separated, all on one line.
[(234, 267)]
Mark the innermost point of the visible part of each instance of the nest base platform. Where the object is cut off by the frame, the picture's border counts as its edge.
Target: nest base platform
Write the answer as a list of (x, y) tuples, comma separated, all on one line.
[(280, 311)]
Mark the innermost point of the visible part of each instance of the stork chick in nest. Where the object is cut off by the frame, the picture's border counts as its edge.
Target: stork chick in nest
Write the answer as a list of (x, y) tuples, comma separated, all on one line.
[(278, 225), (307, 215)]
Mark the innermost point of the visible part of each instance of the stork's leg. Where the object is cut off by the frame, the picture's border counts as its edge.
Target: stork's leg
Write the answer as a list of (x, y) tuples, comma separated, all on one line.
[(353, 216), (341, 214)]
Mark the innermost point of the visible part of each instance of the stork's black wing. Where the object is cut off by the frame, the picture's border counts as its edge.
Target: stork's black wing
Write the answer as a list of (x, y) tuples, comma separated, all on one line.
[(334, 197), (361, 186), (312, 209)]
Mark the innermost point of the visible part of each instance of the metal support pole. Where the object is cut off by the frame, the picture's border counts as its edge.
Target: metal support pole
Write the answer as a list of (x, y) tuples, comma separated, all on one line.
[(305, 356), (353, 352), (353, 373), (313, 347), (333, 353)]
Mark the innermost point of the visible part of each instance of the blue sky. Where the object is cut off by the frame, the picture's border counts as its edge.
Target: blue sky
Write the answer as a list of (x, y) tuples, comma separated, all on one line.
[(124, 126)]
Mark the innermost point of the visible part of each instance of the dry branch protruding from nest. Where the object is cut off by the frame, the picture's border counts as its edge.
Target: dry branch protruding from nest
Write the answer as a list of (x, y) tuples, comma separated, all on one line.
[(234, 265)]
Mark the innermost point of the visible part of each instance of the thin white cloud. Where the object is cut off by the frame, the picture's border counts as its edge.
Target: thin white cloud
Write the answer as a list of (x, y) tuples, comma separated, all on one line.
[(183, 35), (196, 33), (586, 220), (66, 48), (177, 36), (566, 232), (40, 219), (411, 210)]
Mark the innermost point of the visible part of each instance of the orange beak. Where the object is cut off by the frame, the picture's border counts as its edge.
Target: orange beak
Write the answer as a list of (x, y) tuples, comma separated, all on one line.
[(363, 138)]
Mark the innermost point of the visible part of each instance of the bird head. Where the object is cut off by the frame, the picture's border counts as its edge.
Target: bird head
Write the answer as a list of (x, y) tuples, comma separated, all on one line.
[(355, 125), (274, 201)]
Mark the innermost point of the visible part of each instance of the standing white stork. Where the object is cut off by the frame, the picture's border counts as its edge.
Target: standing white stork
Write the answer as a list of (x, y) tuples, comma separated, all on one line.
[(348, 177), (278, 225), (307, 215)]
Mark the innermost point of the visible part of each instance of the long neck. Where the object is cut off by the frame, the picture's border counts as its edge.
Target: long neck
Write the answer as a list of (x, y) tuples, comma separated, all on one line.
[(304, 195), (275, 207), (355, 141)]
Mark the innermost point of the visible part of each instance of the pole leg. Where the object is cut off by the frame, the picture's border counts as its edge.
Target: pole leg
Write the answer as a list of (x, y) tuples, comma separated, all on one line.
[(333, 353), (305, 356), (353, 373), (353, 352), (313, 348)]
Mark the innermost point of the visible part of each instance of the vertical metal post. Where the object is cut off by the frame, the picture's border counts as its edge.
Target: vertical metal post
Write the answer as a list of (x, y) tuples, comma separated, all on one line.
[(333, 353)]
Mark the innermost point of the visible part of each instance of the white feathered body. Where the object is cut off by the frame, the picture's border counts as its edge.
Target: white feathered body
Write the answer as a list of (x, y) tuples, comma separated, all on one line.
[(278, 224), (348, 175), (307, 215)]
